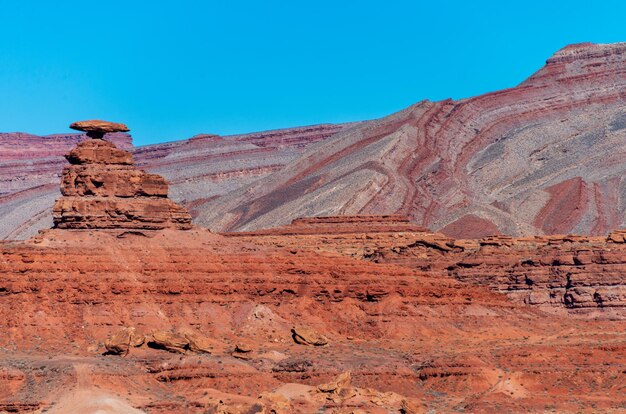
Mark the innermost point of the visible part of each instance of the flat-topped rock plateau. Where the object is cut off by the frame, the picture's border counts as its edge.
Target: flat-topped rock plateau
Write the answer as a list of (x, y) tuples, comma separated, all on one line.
[(126, 307)]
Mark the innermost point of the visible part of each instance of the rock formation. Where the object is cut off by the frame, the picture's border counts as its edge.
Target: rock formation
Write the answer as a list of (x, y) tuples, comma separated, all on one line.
[(198, 169), (579, 275), (102, 189), (121, 342)]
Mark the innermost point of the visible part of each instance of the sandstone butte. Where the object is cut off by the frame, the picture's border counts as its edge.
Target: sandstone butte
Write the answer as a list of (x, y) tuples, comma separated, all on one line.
[(124, 307), (544, 157)]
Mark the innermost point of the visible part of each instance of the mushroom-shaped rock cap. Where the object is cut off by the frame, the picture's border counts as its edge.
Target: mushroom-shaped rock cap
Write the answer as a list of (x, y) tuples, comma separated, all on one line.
[(96, 128)]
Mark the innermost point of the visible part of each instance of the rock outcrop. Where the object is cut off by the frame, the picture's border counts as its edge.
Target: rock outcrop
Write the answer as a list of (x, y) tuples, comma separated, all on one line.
[(579, 275), (307, 336), (102, 189), (121, 342)]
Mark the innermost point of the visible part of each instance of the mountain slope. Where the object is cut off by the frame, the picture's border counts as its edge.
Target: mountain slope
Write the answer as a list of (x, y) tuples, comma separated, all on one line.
[(544, 157)]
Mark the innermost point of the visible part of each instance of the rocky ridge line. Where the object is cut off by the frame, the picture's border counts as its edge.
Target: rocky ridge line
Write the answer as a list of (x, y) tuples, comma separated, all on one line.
[(544, 157)]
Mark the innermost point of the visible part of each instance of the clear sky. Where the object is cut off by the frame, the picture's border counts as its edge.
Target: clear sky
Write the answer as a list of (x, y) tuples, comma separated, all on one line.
[(173, 69)]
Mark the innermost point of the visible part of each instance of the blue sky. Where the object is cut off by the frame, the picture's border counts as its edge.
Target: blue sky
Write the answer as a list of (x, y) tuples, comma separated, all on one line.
[(171, 70)]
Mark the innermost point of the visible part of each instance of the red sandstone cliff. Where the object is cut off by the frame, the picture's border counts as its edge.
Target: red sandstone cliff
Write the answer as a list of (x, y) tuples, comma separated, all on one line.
[(564, 274)]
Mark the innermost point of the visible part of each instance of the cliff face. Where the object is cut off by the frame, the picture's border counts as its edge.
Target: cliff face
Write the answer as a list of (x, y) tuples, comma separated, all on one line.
[(543, 157), (579, 276)]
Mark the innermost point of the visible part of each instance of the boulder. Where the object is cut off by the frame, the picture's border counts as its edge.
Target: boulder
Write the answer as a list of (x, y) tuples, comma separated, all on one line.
[(199, 343), (307, 336), (169, 341), (121, 342), (343, 381)]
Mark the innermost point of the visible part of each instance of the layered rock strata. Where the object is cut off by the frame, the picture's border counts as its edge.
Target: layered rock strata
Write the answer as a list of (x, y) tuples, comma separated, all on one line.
[(545, 157), (102, 189), (577, 275), (408, 337)]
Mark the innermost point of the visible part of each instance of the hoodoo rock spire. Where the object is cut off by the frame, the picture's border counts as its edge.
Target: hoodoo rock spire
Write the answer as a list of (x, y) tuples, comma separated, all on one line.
[(102, 189)]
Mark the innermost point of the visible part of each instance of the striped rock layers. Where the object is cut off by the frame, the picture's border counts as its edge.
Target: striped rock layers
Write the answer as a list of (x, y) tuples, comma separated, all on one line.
[(102, 189)]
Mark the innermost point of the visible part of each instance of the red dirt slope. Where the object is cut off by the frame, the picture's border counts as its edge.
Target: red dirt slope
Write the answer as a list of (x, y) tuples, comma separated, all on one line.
[(434, 342)]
